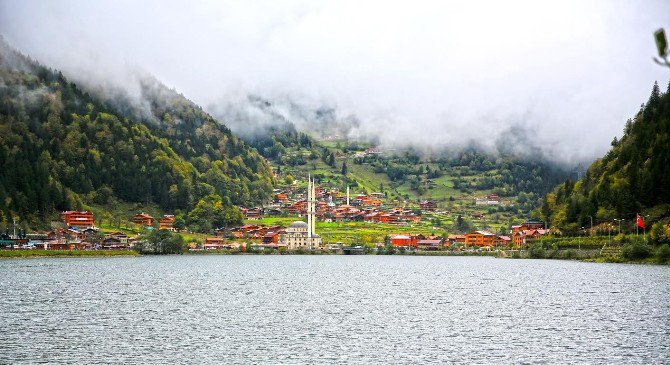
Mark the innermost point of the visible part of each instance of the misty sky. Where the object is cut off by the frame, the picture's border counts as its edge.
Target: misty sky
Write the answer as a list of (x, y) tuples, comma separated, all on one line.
[(435, 73)]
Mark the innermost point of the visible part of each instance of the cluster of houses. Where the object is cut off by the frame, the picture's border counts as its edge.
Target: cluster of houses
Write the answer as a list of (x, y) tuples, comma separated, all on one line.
[(531, 230), (474, 239), (80, 233), (491, 199), (298, 235), (84, 220), (318, 204), (371, 151), (262, 236), (69, 239), (335, 206), (146, 220), (521, 236), (259, 235)]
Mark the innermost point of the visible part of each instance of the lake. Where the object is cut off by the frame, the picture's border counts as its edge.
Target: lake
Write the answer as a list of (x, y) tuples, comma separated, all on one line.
[(331, 309)]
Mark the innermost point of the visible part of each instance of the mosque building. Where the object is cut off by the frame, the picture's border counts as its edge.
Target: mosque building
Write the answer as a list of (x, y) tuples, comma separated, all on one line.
[(300, 234)]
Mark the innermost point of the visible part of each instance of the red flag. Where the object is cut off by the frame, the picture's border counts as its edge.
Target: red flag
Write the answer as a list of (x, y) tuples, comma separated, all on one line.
[(640, 222)]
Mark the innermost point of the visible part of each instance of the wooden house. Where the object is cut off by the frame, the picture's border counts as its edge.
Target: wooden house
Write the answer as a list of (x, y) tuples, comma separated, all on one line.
[(480, 239), (77, 219), (428, 205), (143, 219), (167, 222)]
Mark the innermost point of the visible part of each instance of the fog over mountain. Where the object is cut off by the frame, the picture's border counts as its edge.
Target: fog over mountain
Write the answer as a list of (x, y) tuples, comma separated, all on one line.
[(560, 77)]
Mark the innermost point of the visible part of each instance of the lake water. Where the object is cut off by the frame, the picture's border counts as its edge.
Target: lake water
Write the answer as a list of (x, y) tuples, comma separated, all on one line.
[(331, 309)]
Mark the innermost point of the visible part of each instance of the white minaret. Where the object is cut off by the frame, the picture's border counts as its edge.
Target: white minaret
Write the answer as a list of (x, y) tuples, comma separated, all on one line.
[(347, 194), (309, 211), (313, 208)]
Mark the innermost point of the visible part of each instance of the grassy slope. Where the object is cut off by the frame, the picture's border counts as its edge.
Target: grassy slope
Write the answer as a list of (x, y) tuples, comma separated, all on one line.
[(401, 195)]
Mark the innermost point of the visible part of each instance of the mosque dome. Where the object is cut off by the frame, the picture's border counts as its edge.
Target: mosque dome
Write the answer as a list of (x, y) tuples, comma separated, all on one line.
[(298, 224)]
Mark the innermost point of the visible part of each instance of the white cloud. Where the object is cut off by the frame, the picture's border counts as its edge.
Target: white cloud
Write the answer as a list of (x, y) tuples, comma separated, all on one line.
[(437, 72)]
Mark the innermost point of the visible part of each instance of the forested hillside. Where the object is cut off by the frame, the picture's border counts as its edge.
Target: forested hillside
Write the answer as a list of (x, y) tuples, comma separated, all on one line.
[(634, 176), (62, 147), (278, 130)]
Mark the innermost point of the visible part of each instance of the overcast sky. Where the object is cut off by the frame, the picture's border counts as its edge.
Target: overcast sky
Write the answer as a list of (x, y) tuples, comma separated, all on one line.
[(416, 72)]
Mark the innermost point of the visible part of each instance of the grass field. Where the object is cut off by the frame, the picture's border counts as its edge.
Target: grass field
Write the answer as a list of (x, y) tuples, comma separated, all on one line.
[(355, 232)]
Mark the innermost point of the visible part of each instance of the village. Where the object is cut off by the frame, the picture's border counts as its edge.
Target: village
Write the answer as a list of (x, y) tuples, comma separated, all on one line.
[(78, 231)]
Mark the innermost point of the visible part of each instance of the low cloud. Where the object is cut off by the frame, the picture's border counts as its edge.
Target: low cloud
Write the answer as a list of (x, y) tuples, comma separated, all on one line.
[(556, 78)]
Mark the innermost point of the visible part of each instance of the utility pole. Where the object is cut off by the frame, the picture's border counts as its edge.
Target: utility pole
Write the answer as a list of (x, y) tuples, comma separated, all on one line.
[(644, 230), (579, 244), (609, 233), (619, 221)]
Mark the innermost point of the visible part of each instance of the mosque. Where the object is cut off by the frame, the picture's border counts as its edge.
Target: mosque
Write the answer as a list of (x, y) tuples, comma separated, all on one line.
[(300, 234)]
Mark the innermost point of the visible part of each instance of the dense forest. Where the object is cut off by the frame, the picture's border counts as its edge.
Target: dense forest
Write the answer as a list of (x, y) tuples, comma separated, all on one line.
[(63, 147), (633, 177)]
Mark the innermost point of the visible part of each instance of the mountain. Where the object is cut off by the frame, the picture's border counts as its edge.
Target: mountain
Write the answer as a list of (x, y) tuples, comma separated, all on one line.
[(634, 176), (63, 146)]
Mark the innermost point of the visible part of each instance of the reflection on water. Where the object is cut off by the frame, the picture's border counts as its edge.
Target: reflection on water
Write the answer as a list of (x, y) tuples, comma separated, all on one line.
[(331, 309)]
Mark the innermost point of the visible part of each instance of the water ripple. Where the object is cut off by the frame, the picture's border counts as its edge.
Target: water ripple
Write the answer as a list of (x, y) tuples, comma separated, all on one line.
[(331, 309)]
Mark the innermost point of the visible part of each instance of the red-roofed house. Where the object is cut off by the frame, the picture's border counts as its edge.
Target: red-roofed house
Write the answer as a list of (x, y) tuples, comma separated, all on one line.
[(167, 222), (77, 219), (403, 240), (430, 244), (480, 238), (428, 205), (143, 219)]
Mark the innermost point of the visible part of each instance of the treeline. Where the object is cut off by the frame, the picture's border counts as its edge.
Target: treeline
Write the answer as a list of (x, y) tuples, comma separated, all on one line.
[(62, 147), (274, 143), (473, 170), (633, 177)]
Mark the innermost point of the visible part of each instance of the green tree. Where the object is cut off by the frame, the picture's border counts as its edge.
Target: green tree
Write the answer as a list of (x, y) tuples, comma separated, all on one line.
[(161, 242), (463, 225), (331, 160), (179, 222), (211, 212), (659, 233)]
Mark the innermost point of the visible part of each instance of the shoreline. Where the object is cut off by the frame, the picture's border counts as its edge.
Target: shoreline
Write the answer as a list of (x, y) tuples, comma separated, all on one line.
[(26, 254), (522, 255)]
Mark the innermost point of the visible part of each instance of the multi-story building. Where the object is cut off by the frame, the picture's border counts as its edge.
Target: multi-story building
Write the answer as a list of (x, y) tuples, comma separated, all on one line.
[(143, 219), (480, 238), (167, 222), (77, 219)]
